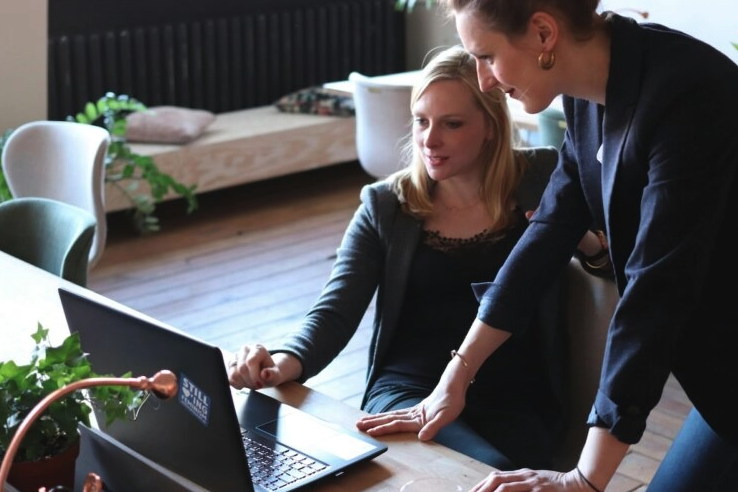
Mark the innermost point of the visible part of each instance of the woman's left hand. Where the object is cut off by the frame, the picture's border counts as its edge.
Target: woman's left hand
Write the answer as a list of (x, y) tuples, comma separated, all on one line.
[(426, 418)]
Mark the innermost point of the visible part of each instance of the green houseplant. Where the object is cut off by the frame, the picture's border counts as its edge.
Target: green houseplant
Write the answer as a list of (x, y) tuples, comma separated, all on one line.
[(125, 169), (50, 367)]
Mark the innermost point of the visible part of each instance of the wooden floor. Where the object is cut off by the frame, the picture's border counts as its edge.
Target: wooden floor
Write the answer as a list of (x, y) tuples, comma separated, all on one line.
[(249, 263)]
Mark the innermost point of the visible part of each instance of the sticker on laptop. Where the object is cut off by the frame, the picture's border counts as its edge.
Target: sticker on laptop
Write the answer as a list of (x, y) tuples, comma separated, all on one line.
[(194, 399)]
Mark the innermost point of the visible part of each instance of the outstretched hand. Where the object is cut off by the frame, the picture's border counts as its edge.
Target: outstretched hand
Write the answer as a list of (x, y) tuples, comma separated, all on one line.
[(426, 418)]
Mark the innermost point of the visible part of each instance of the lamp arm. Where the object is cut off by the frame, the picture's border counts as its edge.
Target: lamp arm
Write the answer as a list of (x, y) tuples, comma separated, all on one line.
[(163, 384)]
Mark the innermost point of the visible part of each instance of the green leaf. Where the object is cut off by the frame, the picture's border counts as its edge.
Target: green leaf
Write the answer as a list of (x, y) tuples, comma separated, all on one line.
[(119, 128), (102, 106), (91, 111), (41, 334), (53, 367)]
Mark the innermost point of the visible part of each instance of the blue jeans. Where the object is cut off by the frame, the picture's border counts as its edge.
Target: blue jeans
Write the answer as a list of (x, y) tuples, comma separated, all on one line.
[(697, 461)]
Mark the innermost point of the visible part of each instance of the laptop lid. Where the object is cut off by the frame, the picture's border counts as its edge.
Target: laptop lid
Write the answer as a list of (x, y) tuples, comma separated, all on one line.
[(198, 434)]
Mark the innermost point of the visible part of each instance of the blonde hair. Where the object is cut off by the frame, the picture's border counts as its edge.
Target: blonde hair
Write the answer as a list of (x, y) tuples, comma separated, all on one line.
[(500, 171)]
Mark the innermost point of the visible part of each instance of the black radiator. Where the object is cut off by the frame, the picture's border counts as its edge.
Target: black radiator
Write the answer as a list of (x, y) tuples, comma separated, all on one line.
[(220, 55)]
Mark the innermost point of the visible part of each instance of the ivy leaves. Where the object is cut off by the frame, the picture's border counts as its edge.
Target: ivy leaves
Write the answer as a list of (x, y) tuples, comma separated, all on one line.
[(51, 368), (127, 170)]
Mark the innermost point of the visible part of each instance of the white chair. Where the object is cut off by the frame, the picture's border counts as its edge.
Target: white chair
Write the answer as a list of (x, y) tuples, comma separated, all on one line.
[(382, 122), (64, 161)]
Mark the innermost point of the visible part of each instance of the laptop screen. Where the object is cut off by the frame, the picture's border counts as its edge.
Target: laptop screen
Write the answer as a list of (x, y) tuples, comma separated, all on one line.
[(197, 434)]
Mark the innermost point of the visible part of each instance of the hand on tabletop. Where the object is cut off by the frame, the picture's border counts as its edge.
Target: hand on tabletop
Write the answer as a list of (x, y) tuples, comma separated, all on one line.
[(426, 418), (527, 480)]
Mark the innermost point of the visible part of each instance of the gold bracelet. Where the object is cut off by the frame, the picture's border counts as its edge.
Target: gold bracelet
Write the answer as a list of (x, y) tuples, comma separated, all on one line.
[(454, 353), (600, 260)]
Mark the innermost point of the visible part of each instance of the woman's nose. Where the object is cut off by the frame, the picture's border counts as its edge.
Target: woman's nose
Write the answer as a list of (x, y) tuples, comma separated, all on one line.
[(431, 138), (486, 79)]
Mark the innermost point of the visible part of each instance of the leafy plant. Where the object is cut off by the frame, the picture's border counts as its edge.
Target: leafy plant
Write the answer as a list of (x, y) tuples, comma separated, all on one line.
[(125, 169), (4, 190), (50, 368)]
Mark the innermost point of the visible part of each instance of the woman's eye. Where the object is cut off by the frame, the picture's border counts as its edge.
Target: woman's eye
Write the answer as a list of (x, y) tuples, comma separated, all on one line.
[(453, 124)]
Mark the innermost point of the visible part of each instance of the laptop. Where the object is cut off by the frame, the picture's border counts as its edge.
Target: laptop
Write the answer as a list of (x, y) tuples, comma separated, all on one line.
[(206, 431)]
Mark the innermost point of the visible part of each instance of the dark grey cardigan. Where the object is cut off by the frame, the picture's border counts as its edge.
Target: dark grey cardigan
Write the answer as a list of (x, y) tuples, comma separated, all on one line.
[(375, 255)]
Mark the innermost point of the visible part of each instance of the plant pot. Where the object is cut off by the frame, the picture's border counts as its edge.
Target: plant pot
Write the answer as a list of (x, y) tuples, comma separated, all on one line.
[(30, 476)]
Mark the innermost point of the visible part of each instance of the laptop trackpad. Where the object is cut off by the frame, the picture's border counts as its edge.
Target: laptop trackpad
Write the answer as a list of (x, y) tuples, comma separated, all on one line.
[(312, 436)]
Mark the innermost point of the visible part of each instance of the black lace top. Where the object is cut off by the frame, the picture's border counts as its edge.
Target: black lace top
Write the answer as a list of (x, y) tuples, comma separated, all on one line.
[(438, 309)]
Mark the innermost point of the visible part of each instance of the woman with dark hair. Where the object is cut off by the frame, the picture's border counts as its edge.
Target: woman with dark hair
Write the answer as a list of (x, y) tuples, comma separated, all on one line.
[(650, 156)]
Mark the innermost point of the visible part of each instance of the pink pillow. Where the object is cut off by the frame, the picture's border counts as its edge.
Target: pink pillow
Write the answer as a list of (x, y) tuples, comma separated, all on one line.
[(167, 124)]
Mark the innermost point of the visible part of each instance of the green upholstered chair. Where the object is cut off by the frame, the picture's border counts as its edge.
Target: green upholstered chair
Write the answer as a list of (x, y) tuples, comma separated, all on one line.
[(49, 234), (64, 161), (551, 127)]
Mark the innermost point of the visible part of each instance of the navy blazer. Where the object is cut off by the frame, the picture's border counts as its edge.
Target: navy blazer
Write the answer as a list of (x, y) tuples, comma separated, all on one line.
[(656, 168)]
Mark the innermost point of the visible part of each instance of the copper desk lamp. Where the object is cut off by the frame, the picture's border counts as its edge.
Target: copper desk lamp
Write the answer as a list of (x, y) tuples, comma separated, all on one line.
[(163, 385)]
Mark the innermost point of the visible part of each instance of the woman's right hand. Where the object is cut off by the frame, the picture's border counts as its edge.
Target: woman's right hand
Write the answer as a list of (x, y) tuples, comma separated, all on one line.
[(254, 367)]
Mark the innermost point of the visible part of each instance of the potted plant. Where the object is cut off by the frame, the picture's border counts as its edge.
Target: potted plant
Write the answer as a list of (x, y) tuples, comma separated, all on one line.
[(55, 434), (124, 168)]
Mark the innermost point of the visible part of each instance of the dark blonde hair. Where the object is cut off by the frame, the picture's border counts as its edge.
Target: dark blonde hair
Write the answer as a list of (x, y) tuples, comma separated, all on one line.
[(510, 17), (500, 172)]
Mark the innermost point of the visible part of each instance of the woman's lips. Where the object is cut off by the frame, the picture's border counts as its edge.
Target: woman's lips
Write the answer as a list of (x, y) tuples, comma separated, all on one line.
[(435, 160)]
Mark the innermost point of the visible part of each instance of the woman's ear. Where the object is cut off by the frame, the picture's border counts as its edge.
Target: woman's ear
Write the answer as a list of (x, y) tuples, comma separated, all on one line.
[(546, 29)]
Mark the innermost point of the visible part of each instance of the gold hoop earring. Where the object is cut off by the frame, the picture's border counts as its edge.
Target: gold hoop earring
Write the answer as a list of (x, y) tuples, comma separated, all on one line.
[(546, 60)]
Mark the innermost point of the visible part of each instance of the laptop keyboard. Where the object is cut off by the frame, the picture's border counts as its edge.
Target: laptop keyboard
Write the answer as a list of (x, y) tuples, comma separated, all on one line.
[(275, 467)]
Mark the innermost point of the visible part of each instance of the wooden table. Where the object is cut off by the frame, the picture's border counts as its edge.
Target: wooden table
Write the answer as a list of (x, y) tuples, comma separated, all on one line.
[(29, 295)]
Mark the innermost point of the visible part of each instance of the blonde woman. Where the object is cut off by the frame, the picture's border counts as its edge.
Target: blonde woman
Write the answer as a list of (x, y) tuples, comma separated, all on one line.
[(419, 240)]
